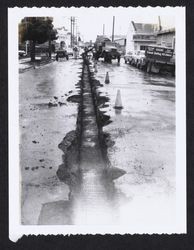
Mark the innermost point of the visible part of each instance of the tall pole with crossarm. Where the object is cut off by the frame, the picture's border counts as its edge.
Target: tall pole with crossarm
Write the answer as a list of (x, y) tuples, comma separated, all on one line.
[(113, 28)]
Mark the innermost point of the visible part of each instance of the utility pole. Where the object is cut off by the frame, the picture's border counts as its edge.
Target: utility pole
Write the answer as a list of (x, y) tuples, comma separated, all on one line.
[(76, 34), (159, 22), (113, 28), (74, 31), (103, 29), (71, 31), (26, 27), (50, 44), (73, 36)]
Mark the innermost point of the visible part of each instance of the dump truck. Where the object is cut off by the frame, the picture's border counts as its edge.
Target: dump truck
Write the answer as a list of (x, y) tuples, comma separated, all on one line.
[(105, 48), (61, 53), (158, 60)]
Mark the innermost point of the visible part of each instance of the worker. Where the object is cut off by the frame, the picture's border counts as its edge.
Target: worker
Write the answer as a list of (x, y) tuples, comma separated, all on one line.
[(119, 58), (75, 52)]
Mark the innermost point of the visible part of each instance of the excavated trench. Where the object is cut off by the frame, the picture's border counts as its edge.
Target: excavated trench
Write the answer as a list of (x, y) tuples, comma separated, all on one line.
[(86, 168)]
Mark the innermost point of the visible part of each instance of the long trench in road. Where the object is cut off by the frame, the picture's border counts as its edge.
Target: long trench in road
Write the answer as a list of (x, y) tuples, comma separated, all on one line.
[(85, 166)]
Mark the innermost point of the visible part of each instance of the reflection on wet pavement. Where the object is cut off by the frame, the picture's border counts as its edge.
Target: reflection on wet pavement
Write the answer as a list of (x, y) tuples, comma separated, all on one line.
[(46, 125), (84, 169), (143, 136)]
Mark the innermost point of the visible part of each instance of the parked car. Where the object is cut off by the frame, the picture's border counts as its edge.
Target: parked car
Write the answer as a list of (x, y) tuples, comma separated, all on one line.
[(137, 58), (69, 51), (128, 57), (21, 53), (61, 54), (140, 59)]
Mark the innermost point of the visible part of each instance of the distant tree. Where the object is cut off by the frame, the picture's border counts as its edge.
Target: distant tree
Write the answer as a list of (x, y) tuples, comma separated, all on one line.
[(38, 30), (53, 48), (52, 36)]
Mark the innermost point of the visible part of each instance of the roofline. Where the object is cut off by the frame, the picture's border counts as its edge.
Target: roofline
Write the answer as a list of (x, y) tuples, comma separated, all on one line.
[(143, 33), (146, 23), (133, 23), (166, 31), (159, 46), (120, 39), (135, 28)]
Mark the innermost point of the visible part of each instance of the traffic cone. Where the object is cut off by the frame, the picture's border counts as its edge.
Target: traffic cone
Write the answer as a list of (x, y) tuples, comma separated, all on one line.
[(107, 78), (118, 102)]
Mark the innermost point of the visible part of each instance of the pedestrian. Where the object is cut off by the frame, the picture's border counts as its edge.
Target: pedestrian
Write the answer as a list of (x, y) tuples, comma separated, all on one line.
[(75, 52), (119, 58), (87, 55)]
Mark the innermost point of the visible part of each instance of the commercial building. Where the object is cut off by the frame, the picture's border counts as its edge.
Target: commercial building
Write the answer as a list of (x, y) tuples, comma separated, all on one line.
[(166, 38), (140, 35), (64, 38)]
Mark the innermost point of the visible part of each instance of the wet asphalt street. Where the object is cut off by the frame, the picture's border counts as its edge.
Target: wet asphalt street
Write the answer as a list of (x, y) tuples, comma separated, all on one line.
[(143, 144)]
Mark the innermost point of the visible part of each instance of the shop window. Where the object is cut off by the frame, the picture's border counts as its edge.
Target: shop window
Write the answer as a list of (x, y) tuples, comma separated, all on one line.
[(142, 47)]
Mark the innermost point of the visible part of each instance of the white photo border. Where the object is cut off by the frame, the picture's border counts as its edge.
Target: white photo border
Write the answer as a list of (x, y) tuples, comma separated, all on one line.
[(16, 230)]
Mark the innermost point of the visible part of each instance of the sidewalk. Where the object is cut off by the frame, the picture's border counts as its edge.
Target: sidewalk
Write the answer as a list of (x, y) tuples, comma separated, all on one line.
[(26, 64)]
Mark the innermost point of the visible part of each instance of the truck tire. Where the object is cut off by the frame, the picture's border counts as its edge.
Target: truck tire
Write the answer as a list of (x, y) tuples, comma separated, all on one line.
[(105, 57), (109, 58), (149, 66)]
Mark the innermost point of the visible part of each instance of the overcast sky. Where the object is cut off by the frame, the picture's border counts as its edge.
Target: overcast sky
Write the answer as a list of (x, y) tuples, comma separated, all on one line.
[(90, 21)]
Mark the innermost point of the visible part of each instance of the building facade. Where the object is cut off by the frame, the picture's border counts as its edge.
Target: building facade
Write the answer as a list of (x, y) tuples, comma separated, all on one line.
[(166, 38), (64, 38), (120, 42), (140, 35)]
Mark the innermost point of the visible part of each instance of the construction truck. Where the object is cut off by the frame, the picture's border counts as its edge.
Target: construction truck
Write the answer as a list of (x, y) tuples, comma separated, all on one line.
[(61, 53), (159, 59), (105, 48)]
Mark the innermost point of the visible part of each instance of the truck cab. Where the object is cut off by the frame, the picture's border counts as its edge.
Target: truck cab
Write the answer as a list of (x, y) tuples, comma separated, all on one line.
[(61, 53), (106, 49)]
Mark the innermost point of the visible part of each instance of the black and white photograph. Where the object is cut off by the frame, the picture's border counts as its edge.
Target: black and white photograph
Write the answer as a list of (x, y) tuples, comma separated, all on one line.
[(97, 121)]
